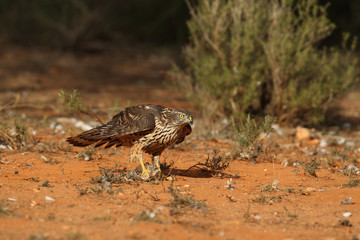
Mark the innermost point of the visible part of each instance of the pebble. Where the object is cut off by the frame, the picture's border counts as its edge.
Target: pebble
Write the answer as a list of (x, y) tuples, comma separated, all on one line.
[(341, 141), (323, 143), (347, 214), (83, 126), (277, 129), (353, 169), (49, 199), (12, 199), (257, 217), (302, 134), (310, 189), (323, 151)]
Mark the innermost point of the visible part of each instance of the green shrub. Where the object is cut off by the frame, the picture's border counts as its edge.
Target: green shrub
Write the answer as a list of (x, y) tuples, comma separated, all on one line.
[(262, 56), (250, 135), (16, 135)]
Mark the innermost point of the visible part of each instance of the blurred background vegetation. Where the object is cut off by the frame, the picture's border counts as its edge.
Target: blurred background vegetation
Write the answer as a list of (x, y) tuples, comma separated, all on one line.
[(73, 24), (70, 23), (285, 58)]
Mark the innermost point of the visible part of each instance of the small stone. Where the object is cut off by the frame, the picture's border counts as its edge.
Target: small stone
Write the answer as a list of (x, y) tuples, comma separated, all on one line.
[(310, 189), (350, 144), (12, 199), (49, 199), (302, 134), (83, 126), (323, 151), (323, 143), (347, 214), (231, 198), (341, 141), (33, 203), (28, 164), (257, 217), (16, 172)]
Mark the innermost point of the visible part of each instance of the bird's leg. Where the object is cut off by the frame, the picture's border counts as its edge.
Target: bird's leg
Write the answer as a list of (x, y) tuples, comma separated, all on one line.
[(136, 153), (156, 161), (144, 170)]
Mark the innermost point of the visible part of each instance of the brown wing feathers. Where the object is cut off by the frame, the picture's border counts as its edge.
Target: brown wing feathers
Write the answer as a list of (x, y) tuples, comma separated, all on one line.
[(133, 120)]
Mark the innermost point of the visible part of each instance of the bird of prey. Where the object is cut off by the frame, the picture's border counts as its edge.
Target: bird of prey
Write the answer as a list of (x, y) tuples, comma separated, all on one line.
[(144, 128)]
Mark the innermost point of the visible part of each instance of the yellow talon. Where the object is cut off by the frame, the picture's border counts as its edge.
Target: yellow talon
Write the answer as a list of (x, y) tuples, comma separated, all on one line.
[(144, 170)]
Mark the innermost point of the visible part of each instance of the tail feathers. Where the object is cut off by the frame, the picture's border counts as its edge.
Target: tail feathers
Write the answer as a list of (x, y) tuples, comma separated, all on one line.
[(92, 136)]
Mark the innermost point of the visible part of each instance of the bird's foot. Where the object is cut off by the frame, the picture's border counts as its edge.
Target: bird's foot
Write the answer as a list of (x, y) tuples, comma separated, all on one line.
[(145, 175), (150, 172)]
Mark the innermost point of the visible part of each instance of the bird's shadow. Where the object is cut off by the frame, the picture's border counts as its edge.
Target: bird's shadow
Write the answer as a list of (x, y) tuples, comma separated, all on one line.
[(196, 172)]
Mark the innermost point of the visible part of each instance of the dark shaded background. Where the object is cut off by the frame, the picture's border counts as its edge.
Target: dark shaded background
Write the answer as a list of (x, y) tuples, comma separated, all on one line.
[(95, 25)]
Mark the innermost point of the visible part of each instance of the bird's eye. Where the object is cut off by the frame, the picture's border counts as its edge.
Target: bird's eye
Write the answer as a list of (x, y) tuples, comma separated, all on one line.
[(181, 116)]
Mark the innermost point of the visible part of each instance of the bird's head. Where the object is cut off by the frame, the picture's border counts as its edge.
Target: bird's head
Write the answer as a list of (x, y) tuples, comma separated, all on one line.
[(182, 117)]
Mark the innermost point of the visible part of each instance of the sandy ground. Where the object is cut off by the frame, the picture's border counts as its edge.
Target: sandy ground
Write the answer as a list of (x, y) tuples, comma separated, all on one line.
[(46, 190)]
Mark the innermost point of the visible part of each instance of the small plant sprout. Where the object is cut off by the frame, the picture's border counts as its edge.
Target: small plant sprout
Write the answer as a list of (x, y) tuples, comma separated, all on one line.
[(214, 164), (290, 215), (229, 184), (150, 216), (352, 183), (311, 167), (88, 154), (181, 202), (250, 135), (15, 135), (71, 102), (4, 211)]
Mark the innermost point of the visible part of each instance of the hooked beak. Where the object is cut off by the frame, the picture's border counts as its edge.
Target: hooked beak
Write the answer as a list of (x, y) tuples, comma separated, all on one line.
[(190, 120)]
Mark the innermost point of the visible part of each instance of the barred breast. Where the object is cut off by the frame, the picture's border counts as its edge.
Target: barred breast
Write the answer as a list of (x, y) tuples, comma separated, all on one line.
[(162, 137)]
